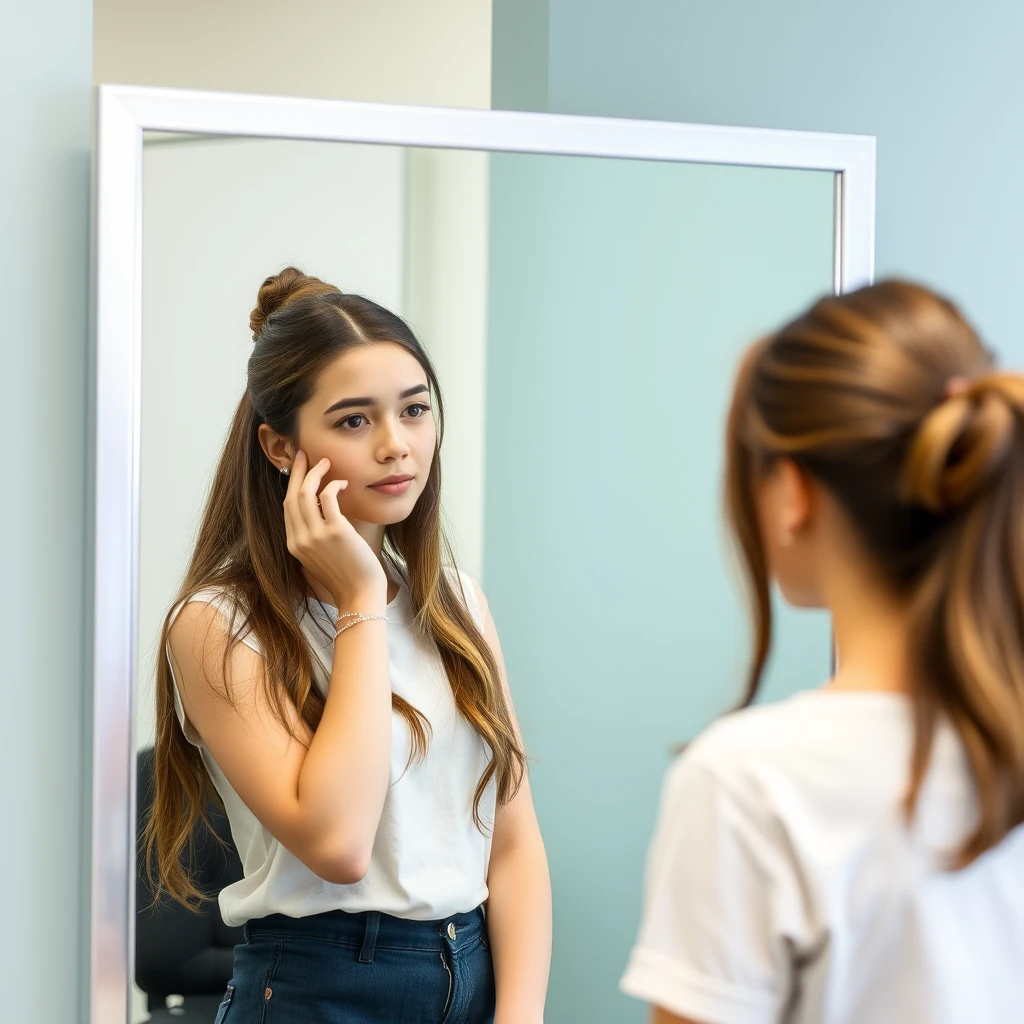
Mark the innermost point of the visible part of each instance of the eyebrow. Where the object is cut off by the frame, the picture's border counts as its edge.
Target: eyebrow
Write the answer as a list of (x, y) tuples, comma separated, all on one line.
[(362, 403)]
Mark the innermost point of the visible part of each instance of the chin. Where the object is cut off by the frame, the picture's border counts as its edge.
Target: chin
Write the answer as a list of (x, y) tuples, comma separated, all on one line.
[(386, 512)]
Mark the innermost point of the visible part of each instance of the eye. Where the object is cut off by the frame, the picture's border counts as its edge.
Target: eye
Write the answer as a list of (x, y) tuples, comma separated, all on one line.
[(351, 421), (418, 410)]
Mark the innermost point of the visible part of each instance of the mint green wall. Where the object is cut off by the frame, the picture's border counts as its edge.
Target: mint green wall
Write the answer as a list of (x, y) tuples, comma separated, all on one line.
[(941, 84), (519, 54), (45, 79), (621, 294)]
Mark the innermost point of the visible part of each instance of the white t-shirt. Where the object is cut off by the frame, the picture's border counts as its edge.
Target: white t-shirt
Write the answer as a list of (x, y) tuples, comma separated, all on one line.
[(429, 859), (784, 885)]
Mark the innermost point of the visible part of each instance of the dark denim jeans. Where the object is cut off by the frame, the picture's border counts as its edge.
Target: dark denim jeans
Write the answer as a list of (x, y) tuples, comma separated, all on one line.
[(339, 968)]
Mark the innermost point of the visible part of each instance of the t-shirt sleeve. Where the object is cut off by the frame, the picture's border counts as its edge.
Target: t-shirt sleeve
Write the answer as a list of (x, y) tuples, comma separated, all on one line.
[(711, 945)]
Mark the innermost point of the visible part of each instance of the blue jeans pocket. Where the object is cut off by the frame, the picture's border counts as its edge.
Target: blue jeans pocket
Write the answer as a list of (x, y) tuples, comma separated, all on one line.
[(225, 1005)]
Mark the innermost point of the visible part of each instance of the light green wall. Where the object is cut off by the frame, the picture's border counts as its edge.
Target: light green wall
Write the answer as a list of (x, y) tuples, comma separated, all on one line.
[(45, 76), (940, 83), (621, 295), (519, 55)]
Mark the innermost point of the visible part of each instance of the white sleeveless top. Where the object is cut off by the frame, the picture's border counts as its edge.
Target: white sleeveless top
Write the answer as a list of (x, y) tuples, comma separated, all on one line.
[(429, 859)]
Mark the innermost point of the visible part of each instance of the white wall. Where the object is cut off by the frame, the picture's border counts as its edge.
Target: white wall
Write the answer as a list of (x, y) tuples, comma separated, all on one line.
[(391, 51), (446, 303)]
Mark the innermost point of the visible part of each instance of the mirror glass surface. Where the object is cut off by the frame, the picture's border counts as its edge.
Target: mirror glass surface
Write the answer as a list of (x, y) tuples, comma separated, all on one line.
[(585, 316)]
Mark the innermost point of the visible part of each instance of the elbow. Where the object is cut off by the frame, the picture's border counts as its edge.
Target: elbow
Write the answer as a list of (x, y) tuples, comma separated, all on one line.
[(343, 872), (343, 865)]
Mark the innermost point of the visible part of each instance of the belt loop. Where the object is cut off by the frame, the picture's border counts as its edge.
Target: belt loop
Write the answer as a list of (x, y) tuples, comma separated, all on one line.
[(370, 937)]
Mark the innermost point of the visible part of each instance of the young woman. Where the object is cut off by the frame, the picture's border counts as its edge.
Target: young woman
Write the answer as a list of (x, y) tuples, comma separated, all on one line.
[(341, 688), (855, 855)]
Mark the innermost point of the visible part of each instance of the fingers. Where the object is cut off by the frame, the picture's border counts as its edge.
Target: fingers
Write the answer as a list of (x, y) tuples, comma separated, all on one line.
[(329, 502), (292, 516), (306, 500)]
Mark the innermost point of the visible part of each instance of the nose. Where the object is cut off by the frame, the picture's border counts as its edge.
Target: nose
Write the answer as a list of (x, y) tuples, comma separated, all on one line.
[(392, 446)]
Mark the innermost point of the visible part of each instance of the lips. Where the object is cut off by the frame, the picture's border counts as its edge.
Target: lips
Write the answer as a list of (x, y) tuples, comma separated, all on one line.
[(397, 478), (393, 485)]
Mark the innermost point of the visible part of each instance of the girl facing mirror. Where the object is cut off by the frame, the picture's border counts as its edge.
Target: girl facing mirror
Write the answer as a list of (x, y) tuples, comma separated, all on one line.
[(338, 684), (855, 854)]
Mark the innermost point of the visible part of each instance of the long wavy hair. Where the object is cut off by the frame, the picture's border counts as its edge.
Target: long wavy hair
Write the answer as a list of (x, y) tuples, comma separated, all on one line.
[(300, 325), (856, 391)]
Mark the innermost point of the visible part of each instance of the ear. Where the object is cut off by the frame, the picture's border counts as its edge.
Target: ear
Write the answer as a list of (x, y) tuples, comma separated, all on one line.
[(278, 448), (797, 498)]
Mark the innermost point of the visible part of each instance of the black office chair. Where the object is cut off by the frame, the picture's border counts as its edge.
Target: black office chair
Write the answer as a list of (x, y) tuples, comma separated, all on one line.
[(177, 952)]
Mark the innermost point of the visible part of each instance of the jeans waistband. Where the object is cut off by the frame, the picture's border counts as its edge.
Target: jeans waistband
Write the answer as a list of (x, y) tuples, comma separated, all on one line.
[(372, 929)]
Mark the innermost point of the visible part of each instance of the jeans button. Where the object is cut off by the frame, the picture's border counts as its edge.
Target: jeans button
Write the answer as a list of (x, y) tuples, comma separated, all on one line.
[(451, 931)]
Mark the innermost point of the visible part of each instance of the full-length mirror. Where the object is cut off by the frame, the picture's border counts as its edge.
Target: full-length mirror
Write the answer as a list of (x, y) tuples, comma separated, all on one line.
[(584, 306)]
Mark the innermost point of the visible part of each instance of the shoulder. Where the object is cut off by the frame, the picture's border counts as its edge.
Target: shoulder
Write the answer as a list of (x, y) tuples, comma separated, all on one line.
[(754, 732), (466, 585), (732, 790), (804, 746), (208, 621)]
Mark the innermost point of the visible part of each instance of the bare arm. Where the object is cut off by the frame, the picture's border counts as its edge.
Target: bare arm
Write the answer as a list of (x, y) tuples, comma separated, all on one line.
[(519, 901), (322, 795), (659, 1016)]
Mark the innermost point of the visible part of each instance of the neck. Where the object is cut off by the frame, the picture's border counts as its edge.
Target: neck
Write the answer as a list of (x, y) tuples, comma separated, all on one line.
[(872, 636)]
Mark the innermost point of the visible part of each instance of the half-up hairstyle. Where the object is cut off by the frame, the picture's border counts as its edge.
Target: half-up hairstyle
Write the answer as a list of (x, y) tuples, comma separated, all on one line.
[(888, 399), (300, 325)]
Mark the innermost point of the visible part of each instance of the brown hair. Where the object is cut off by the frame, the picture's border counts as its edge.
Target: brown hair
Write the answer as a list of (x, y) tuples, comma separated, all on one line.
[(857, 392), (300, 325)]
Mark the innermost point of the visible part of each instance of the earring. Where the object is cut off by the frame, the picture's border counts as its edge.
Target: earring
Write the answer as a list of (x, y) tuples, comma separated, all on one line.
[(286, 470)]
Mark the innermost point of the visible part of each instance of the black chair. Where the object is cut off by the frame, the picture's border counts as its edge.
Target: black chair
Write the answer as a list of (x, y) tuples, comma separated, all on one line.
[(178, 952)]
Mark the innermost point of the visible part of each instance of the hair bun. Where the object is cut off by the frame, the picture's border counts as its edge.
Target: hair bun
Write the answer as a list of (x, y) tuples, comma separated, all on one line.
[(278, 290), (963, 442)]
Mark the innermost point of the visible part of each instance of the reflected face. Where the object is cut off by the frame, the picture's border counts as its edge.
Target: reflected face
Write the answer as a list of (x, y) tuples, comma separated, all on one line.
[(371, 417)]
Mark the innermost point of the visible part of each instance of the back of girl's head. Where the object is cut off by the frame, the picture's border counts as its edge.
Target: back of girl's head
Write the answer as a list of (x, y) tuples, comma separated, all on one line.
[(887, 398)]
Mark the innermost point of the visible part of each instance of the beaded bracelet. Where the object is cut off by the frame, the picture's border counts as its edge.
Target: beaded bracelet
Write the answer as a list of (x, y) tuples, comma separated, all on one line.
[(346, 615), (356, 619)]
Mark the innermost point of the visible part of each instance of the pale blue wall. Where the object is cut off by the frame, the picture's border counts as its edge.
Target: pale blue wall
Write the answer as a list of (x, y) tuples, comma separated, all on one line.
[(519, 54), (621, 295), (941, 84), (45, 79)]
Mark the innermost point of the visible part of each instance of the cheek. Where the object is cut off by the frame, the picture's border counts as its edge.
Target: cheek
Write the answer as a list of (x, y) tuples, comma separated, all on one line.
[(345, 457), (776, 554), (766, 523), (343, 465), (426, 444)]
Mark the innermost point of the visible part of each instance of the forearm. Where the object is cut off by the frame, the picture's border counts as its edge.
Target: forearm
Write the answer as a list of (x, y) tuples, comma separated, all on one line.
[(344, 777), (519, 925)]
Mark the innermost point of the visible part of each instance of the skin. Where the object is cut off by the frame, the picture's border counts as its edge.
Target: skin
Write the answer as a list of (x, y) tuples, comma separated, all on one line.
[(817, 560), (298, 790)]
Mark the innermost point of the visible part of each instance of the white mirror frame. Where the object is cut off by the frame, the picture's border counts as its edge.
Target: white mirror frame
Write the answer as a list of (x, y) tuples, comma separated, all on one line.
[(123, 114)]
